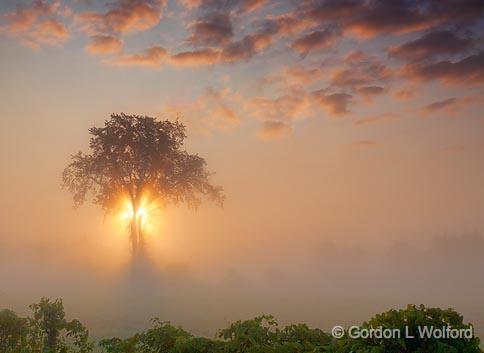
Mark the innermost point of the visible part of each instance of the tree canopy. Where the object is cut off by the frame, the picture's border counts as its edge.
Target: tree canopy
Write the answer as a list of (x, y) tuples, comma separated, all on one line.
[(132, 155), (49, 332)]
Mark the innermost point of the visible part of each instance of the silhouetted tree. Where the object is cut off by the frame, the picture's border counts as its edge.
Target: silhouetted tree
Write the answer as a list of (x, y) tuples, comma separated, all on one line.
[(47, 331), (411, 319), (132, 155), (13, 332), (54, 333)]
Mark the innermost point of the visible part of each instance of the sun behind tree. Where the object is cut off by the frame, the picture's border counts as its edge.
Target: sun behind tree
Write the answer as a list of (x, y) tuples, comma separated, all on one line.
[(141, 160)]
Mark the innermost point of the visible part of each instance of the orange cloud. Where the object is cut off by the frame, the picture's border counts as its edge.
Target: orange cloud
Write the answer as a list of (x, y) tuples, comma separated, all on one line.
[(212, 110), (431, 44), (214, 29), (464, 71), (361, 71), (334, 103), (191, 4), (151, 57), (199, 57), (102, 45), (37, 24), (373, 119), (247, 47), (405, 93), (292, 105), (315, 40), (252, 5), (124, 17), (302, 75)]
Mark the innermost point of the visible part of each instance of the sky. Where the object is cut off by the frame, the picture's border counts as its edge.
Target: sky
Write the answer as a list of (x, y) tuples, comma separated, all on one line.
[(348, 137)]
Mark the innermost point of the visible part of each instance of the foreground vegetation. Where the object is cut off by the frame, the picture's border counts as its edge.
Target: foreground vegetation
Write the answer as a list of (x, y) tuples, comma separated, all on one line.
[(48, 331)]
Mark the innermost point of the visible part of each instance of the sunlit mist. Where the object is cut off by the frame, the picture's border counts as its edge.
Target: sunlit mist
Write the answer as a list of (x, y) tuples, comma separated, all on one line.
[(148, 214)]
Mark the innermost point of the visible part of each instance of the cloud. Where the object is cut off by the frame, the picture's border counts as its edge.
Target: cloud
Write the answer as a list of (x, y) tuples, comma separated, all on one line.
[(240, 6), (252, 5), (274, 130), (222, 116), (293, 104), (102, 45), (214, 109), (150, 57), (362, 75), (464, 71), (432, 44), (405, 93), (315, 40), (302, 75), (332, 10), (368, 92), (368, 18), (398, 16), (191, 4), (334, 103), (452, 104), (374, 119), (156, 56), (286, 24), (439, 105), (37, 24), (195, 58), (123, 17), (214, 29), (362, 70), (247, 47)]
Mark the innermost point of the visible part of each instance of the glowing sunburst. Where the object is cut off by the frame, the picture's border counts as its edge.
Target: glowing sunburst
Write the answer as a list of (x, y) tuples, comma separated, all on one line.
[(146, 214)]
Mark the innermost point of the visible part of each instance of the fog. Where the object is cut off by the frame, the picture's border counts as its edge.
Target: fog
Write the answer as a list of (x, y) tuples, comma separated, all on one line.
[(313, 230), (331, 283)]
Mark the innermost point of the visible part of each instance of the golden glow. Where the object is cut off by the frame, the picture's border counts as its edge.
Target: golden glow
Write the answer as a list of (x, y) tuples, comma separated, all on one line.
[(147, 213), (141, 212), (128, 212)]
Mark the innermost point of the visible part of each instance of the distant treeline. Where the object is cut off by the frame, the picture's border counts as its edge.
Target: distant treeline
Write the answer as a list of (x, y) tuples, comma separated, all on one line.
[(48, 331)]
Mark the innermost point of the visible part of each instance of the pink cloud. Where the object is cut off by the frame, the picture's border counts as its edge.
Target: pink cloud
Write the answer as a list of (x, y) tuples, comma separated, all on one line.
[(195, 58), (124, 16), (151, 57), (37, 24)]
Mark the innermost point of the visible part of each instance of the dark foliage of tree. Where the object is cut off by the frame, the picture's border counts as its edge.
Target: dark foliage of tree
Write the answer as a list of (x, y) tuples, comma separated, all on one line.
[(411, 319), (133, 156), (49, 332)]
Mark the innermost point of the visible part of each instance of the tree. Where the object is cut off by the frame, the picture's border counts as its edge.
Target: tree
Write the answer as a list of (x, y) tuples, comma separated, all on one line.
[(137, 157), (411, 319), (13, 332), (47, 331), (54, 333), (161, 338)]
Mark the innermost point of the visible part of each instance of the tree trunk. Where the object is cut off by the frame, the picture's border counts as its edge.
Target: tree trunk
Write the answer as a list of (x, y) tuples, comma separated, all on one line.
[(141, 240), (134, 235), (137, 238)]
